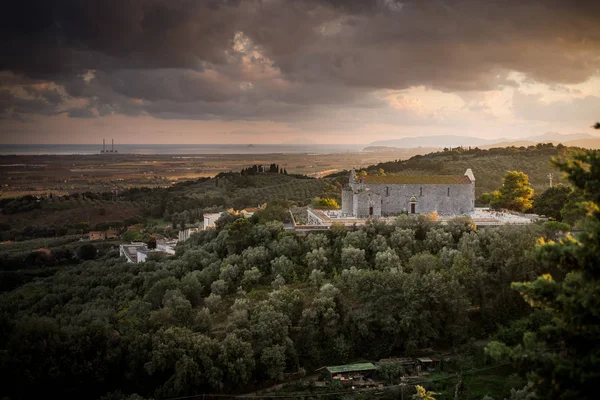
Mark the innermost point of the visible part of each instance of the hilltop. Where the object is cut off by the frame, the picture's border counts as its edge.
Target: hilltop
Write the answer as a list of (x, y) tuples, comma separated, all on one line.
[(489, 166)]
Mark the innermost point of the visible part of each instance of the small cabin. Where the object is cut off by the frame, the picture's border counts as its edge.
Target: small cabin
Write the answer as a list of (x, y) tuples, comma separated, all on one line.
[(355, 374)]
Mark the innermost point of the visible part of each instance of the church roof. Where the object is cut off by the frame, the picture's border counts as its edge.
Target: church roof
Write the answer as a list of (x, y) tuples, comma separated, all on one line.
[(417, 179)]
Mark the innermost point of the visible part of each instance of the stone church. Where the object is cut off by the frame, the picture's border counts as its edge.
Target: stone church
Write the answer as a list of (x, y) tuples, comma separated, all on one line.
[(381, 196)]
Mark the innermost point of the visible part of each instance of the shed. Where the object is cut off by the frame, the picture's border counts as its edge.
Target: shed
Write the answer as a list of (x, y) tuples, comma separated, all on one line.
[(344, 371), (428, 363)]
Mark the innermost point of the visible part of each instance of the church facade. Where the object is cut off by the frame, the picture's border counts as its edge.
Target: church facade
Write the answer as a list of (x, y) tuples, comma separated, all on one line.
[(381, 196)]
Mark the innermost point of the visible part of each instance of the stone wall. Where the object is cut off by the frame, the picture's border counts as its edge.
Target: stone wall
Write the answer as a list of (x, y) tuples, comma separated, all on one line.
[(446, 199), (347, 201), (364, 200)]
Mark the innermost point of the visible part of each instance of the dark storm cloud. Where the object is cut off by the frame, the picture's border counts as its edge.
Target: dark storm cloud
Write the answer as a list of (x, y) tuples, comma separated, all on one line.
[(178, 59), (80, 113)]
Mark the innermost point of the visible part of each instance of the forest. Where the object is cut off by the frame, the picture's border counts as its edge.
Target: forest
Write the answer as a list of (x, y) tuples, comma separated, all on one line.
[(249, 305)]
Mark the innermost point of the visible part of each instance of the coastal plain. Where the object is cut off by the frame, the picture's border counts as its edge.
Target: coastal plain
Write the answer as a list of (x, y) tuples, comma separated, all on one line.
[(67, 174)]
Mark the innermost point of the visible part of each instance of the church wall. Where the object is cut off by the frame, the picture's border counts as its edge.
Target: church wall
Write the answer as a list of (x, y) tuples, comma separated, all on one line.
[(347, 199), (430, 197), (363, 201)]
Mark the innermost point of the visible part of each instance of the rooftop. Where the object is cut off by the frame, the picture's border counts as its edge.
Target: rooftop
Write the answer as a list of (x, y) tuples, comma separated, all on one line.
[(417, 179), (351, 368)]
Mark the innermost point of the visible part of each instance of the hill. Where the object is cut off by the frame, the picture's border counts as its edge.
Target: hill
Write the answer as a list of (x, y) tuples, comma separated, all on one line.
[(516, 143), (436, 141), (441, 141), (31, 216), (489, 166), (593, 143)]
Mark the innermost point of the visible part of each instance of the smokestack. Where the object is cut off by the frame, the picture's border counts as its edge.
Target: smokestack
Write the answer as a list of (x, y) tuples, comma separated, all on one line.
[(103, 145), (113, 146)]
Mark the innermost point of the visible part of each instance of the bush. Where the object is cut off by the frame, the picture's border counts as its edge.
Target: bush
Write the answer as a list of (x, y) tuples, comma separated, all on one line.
[(87, 252)]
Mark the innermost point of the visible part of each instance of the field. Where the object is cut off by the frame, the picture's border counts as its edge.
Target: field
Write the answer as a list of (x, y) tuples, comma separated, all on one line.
[(65, 174)]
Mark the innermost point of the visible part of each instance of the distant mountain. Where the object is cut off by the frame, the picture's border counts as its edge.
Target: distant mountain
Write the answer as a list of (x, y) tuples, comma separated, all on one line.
[(383, 149), (559, 137), (436, 141), (593, 143), (441, 141), (516, 143)]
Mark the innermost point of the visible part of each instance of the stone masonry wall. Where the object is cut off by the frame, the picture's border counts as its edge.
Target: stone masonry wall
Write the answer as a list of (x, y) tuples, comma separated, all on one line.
[(460, 199), (347, 201), (390, 199), (363, 200)]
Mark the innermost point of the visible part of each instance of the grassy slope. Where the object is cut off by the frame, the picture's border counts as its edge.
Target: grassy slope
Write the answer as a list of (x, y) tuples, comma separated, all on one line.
[(230, 190), (255, 189), (72, 212), (489, 167)]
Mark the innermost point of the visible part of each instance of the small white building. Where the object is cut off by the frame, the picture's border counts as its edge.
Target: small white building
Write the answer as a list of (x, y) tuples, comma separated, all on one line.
[(186, 233), (166, 246), (135, 252), (249, 212), (210, 219)]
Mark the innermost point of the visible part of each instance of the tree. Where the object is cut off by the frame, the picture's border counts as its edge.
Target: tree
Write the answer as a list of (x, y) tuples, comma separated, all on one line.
[(491, 199), (325, 203), (317, 259), (391, 371), (423, 394), (236, 358), (386, 260), (188, 359), (87, 252), (151, 243), (574, 209), (563, 356), (273, 360), (352, 257), (551, 201), (516, 192)]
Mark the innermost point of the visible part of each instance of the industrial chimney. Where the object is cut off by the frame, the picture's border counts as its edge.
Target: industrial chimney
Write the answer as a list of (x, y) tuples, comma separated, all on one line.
[(103, 146)]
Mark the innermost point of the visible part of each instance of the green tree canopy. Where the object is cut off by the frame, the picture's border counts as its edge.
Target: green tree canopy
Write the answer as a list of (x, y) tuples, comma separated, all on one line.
[(551, 201), (563, 357), (87, 252), (516, 192)]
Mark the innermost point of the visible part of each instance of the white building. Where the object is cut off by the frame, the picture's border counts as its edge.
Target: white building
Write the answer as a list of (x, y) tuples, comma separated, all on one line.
[(166, 246), (186, 233), (210, 219), (135, 252)]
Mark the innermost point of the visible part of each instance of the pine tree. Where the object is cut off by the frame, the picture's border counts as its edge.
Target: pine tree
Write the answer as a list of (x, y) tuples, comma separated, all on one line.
[(563, 357)]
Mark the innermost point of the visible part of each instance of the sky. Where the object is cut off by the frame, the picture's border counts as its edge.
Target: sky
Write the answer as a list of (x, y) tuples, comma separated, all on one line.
[(273, 71)]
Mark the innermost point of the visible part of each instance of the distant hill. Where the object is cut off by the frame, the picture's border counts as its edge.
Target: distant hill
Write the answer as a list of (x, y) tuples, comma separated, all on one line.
[(516, 143), (593, 143), (441, 141), (559, 137)]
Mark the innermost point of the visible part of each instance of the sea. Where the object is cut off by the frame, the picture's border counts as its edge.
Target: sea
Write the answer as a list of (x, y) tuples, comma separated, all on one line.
[(181, 149)]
